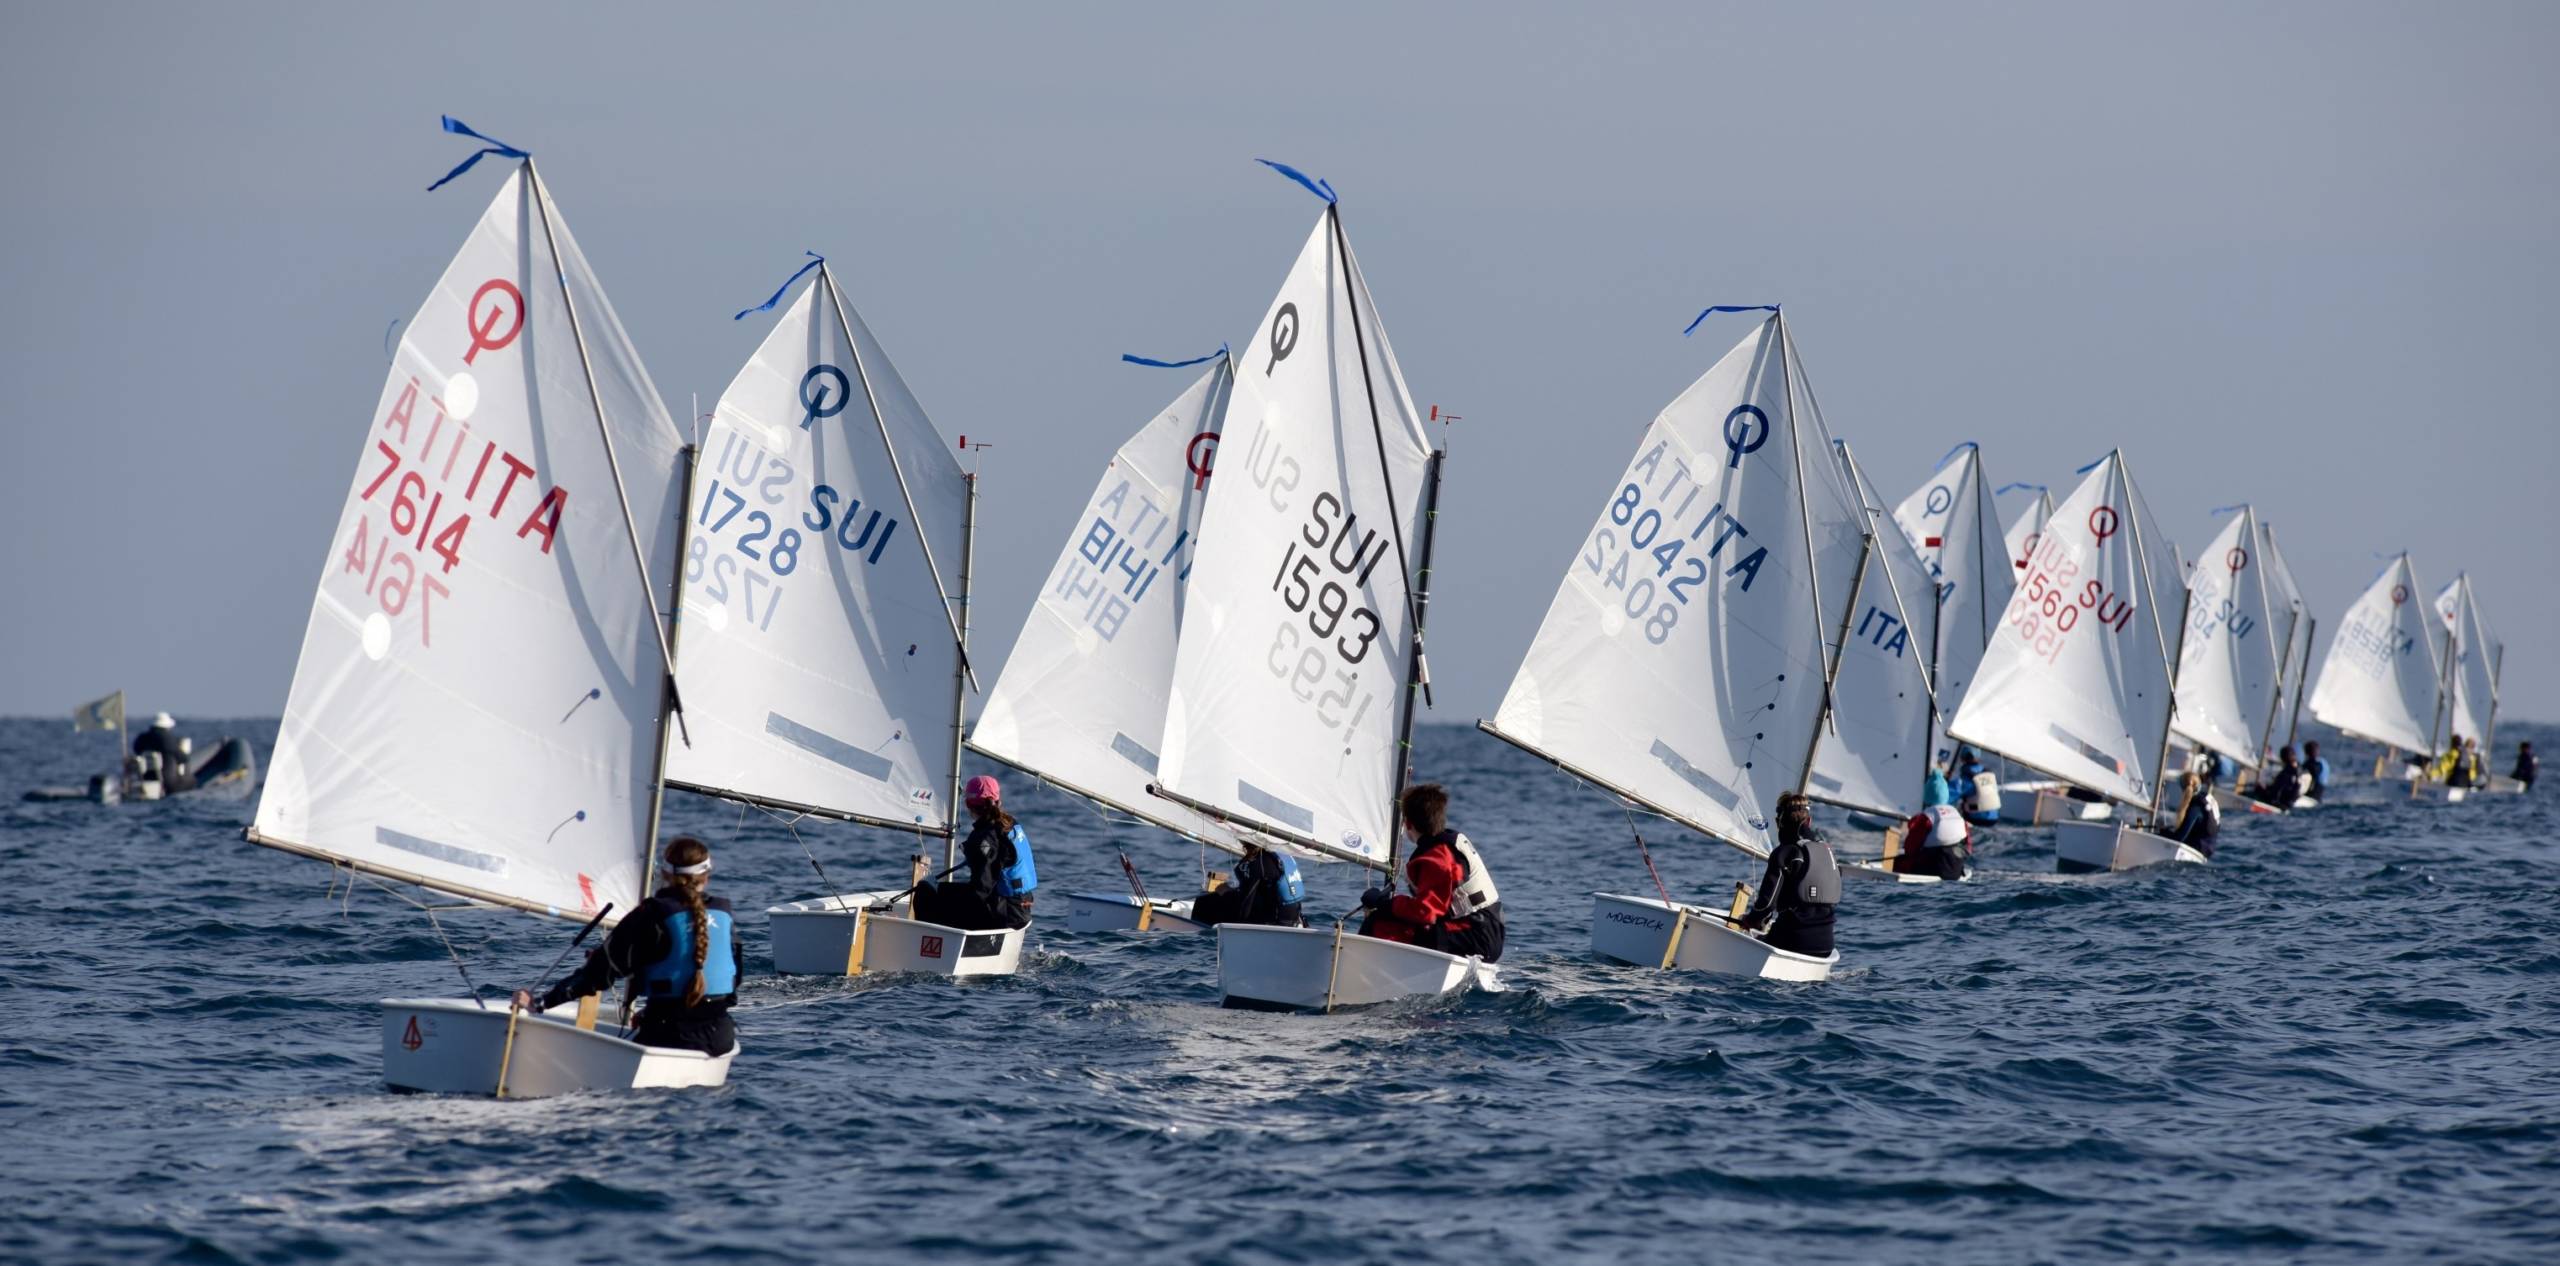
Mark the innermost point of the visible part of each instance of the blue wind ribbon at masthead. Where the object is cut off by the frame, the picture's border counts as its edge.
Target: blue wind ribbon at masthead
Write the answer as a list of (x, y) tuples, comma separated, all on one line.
[(1320, 188), (1174, 364), (496, 146), (1727, 307), (1951, 453), (815, 259)]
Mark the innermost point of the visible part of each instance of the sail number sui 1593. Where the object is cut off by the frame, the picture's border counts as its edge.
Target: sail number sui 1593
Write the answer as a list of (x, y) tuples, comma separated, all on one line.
[(1321, 579)]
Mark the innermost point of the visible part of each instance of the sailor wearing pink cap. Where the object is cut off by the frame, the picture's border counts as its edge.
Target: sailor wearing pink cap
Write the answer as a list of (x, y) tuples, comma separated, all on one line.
[(997, 893)]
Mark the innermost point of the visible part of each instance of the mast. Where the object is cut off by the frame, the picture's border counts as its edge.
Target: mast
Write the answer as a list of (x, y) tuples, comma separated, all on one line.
[(1401, 754), (1831, 670), (2497, 668), (1812, 567), (2284, 665), (960, 671), (2169, 660), (622, 498), (897, 469), (671, 701), (2302, 685), (1377, 432)]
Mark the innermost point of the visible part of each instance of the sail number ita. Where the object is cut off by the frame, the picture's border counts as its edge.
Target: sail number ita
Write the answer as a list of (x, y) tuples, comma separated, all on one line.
[(1655, 545), (744, 549), (1115, 562), (415, 509)]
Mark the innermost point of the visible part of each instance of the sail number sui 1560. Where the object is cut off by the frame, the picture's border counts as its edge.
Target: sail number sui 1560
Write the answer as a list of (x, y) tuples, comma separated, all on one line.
[(2046, 610), (1321, 579)]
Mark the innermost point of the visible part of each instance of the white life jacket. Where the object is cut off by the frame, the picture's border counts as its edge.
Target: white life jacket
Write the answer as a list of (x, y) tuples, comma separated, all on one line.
[(1476, 893), (1947, 827), (1986, 792)]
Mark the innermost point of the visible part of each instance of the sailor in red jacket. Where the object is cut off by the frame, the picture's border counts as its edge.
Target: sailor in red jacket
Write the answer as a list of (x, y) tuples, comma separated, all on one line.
[(1453, 907)]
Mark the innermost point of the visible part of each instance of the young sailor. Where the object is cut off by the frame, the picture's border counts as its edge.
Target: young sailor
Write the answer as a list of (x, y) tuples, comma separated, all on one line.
[(162, 738), (2526, 766), (2316, 767), (2286, 787), (1800, 890), (1979, 788), (998, 892), (1453, 907), (2200, 826), (2468, 769), (680, 950), (1936, 839), (1266, 889)]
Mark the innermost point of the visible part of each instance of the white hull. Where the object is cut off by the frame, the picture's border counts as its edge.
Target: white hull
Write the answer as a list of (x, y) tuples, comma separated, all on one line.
[(815, 938), (1118, 912), (2054, 806), (1321, 969), (2234, 802), (1637, 930), (2438, 793), (1878, 872), (2079, 847), (2500, 784), (454, 1046)]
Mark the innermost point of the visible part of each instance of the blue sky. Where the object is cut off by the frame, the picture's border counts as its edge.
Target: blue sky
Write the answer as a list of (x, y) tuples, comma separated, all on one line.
[(2298, 254)]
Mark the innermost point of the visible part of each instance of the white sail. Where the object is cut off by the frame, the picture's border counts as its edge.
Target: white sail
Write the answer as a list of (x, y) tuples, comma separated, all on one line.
[(2022, 531), (815, 652), (1952, 521), (1875, 756), (2380, 681), (2293, 618), (2475, 694), (1682, 661), (477, 703), (1290, 682), (2077, 680), (1082, 698), (2227, 673)]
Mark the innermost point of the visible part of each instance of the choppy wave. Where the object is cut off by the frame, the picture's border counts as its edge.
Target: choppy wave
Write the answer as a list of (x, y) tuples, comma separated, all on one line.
[(2335, 1044)]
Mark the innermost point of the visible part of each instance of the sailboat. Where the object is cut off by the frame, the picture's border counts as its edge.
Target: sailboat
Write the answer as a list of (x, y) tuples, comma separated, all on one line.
[(2382, 672), (481, 703), (1081, 702), (2469, 698), (1954, 524), (822, 648), (1874, 758), (2293, 666), (1300, 660), (2079, 680), (1687, 662), (2233, 655)]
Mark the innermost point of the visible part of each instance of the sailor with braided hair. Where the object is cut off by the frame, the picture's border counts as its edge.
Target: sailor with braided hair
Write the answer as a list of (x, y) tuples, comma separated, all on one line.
[(680, 952)]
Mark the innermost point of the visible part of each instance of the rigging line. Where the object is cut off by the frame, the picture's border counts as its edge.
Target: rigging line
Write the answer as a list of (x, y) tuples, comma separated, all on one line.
[(1647, 854), (467, 982), (1378, 432), (613, 464), (897, 469)]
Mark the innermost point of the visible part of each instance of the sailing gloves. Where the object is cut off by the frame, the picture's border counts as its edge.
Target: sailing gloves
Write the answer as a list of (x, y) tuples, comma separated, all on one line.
[(1376, 898)]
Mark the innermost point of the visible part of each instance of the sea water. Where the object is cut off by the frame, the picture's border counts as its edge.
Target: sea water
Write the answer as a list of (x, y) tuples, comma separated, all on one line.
[(2339, 1042)]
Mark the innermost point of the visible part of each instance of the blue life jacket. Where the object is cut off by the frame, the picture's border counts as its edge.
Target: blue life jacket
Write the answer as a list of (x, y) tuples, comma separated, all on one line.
[(2320, 771), (1017, 880), (671, 976), (1293, 886)]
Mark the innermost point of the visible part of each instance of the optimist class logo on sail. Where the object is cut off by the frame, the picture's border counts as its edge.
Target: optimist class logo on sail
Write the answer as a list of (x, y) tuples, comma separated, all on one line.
[(413, 515)]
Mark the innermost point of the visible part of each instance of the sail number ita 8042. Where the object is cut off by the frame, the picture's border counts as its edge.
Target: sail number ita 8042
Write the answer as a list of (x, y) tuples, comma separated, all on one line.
[(1655, 545)]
